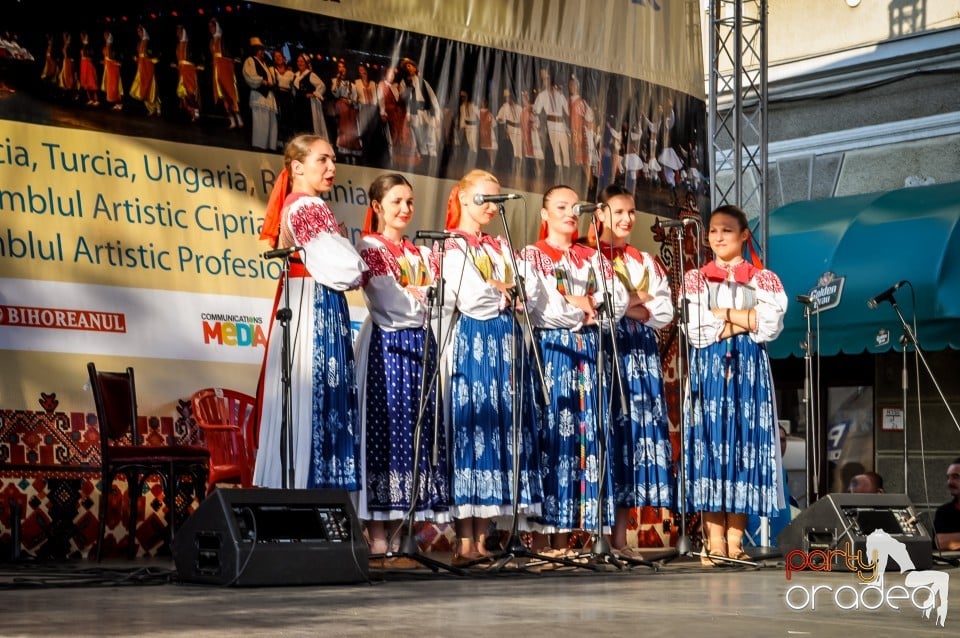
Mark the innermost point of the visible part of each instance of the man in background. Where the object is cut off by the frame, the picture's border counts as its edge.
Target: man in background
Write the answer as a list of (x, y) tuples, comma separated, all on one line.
[(946, 521), (866, 483)]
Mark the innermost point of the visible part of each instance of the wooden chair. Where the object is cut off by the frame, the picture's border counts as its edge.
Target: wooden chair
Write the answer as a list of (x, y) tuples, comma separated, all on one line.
[(228, 419), (122, 452)]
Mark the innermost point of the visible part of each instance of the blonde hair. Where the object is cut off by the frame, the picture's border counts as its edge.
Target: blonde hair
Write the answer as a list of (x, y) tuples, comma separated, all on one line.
[(472, 178), (476, 176)]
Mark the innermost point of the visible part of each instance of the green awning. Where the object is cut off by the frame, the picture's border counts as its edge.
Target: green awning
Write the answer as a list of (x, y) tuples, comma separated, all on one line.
[(872, 242)]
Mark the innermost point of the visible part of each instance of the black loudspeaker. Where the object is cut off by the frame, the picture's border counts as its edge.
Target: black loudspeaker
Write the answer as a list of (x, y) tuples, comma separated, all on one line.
[(836, 528), (254, 537)]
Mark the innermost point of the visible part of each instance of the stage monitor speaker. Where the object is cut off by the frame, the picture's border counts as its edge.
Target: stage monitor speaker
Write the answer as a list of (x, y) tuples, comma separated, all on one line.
[(256, 537), (843, 522)]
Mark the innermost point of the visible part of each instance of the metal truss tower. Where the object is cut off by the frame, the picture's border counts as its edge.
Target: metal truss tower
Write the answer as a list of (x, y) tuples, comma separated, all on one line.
[(737, 110)]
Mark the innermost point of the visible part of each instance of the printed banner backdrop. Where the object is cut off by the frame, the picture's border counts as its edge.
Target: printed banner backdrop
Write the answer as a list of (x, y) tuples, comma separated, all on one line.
[(652, 40), (129, 224)]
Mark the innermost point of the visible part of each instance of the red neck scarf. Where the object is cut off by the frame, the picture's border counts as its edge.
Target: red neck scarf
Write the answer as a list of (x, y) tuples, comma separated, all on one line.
[(396, 249), (477, 242), (742, 272), (578, 253), (611, 252)]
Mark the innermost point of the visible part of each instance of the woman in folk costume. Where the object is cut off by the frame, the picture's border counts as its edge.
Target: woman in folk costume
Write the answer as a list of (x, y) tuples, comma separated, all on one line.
[(396, 391), (67, 76), (488, 132), (324, 430), (393, 112), (732, 452), (188, 89), (348, 115), (530, 131), (144, 87), (88, 71), (308, 92), (641, 455), (111, 85), (484, 385), (224, 76), (565, 313), (50, 68)]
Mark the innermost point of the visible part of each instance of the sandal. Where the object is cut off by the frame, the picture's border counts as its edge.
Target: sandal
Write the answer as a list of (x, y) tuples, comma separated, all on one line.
[(739, 554), (707, 556), (467, 558)]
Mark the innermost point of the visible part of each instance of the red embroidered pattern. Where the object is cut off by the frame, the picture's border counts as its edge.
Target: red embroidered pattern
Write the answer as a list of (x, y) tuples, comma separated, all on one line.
[(693, 283), (606, 267), (658, 267), (379, 262), (540, 261), (310, 217), (768, 281), (433, 263)]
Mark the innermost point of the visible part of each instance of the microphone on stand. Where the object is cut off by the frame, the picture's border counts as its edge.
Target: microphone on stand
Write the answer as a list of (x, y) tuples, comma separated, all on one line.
[(281, 252), (806, 300), (886, 295), (676, 223), (585, 209), (480, 199), (438, 235)]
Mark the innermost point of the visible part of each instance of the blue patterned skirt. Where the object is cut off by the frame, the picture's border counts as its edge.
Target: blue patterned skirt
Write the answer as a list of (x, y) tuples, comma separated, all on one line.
[(336, 434), (394, 382), (483, 386), (569, 451), (641, 455), (732, 442)]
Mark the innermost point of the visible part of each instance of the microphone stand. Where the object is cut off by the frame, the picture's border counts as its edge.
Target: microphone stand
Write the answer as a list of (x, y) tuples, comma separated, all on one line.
[(600, 547), (810, 406), (912, 339), (284, 315), (514, 547), (408, 543)]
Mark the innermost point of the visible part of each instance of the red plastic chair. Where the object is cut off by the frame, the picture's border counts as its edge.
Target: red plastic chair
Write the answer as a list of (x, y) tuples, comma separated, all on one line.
[(228, 420), (122, 452)]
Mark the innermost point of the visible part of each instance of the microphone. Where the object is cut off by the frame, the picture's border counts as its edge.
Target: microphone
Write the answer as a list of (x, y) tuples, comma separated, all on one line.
[(585, 209), (886, 295), (676, 223), (438, 235), (276, 253), (480, 200), (806, 299)]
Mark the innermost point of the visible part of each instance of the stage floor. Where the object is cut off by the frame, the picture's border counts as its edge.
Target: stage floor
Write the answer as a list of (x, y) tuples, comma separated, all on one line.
[(143, 598)]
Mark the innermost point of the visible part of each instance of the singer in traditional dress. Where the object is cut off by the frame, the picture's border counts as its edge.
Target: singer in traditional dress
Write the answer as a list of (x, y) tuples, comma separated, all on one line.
[(732, 452), (640, 452), (397, 391), (564, 308), (324, 431), (486, 379)]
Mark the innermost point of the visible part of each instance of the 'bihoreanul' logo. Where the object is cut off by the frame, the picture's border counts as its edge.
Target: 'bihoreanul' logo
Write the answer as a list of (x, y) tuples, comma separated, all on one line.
[(926, 590)]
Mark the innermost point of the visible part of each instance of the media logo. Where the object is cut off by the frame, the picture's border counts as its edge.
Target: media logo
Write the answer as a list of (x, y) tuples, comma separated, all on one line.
[(233, 330)]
